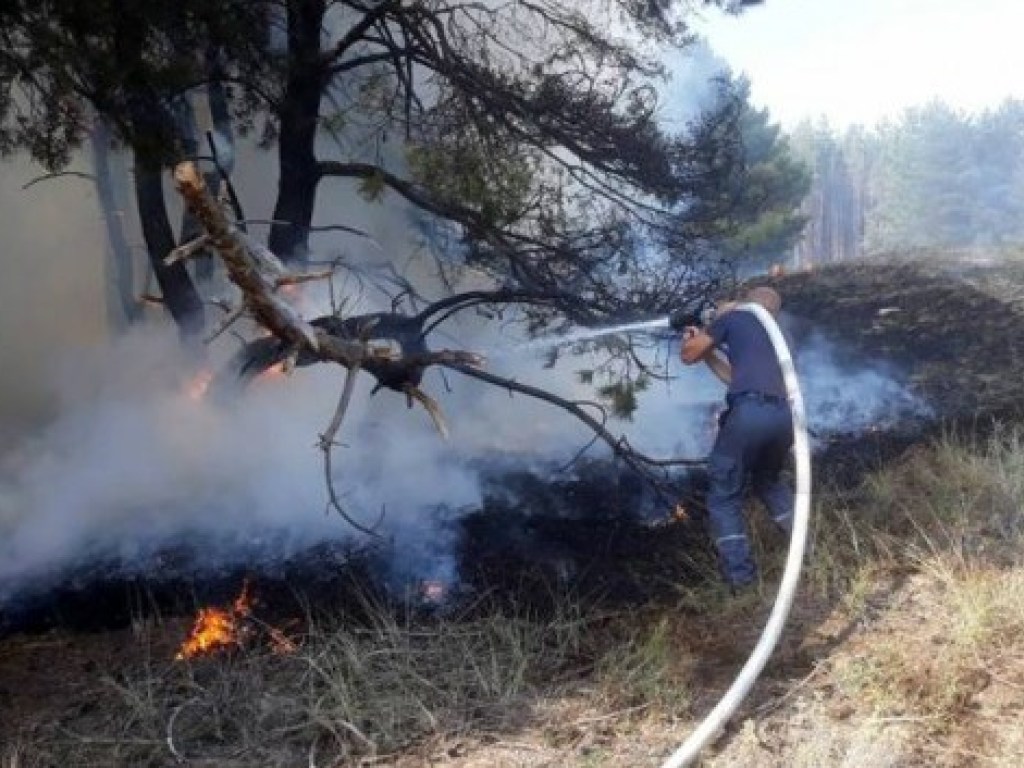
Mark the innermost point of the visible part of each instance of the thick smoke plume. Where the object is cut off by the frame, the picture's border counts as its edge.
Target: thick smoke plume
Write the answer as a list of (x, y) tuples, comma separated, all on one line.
[(135, 460), (117, 459)]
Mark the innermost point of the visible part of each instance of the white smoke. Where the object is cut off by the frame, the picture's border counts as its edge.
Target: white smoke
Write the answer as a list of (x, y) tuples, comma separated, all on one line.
[(129, 461), (844, 394), (134, 461), (691, 87), (851, 397)]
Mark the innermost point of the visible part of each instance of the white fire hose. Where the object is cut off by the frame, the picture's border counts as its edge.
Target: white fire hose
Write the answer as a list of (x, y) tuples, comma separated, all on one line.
[(730, 702)]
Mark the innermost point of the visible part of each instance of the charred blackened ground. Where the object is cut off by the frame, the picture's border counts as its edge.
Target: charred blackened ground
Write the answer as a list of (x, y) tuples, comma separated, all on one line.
[(955, 326), (953, 332), (597, 531), (109, 593), (950, 326)]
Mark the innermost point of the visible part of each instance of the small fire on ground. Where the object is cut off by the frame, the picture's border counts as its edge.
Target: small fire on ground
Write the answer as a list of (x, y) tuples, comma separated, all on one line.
[(217, 630)]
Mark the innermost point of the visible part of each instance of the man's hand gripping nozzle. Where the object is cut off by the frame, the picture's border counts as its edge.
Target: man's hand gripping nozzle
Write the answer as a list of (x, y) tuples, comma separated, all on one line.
[(696, 314)]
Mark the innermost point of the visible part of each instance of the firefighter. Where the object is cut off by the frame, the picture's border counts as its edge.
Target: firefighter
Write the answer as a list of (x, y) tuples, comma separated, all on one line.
[(755, 432)]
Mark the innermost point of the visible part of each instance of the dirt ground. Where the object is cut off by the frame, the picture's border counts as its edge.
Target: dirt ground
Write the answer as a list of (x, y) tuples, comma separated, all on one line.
[(955, 327)]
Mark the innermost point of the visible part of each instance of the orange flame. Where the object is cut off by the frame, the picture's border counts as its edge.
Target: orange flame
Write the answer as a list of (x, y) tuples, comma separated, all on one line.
[(217, 629)]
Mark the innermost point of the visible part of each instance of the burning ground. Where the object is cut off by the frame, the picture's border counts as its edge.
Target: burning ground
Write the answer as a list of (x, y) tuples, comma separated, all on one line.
[(574, 619)]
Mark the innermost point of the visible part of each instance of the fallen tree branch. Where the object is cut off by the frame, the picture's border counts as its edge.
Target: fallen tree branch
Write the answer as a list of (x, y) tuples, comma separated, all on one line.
[(327, 443), (187, 250), (303, 277), (257, 272), (246, 270), (233, 316)]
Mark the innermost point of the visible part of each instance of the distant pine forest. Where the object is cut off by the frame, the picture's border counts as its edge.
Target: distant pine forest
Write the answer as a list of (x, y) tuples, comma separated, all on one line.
[(935, 177)]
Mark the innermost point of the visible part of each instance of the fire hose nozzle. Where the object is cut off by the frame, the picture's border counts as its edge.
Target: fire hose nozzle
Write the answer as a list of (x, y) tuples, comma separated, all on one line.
[(695, 314), (682, 319)]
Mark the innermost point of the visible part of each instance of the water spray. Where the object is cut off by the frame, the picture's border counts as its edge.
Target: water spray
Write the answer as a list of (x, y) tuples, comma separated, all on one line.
[(589, 334), (731, 700)]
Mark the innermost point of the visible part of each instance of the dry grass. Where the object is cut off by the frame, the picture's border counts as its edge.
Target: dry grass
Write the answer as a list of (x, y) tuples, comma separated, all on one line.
[(924, 560), (357, 694), (951, 498), (923, 568), (947, 525)]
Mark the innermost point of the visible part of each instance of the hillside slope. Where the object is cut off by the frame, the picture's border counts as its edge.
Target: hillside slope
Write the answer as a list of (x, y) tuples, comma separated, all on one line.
[(905, 647)]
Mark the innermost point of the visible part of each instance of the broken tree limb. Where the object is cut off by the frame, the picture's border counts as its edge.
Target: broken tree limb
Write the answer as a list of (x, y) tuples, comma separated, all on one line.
[(327, 443), (258, 273), (243, 269), (302, 277), (233, 316), (265, 259)]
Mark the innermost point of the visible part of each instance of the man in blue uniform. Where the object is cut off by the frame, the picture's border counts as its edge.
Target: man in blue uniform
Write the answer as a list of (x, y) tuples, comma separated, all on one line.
[(755, 433)]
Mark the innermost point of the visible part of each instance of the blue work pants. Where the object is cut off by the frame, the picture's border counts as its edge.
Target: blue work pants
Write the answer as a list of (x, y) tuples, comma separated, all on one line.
[(754, 439)]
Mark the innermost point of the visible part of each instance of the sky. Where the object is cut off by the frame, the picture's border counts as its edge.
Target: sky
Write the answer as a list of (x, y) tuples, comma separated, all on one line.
[(860, 61)]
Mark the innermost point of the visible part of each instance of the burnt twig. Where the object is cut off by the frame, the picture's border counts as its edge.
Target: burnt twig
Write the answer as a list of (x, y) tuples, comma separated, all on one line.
[(619, 445), (327, 443)]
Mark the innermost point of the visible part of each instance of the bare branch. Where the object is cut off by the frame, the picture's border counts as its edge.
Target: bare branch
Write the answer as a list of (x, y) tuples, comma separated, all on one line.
[(619, 445), (431, 407), (358, 30), (315, 228), (303, 277), (327, 443), (225, 323), (49, 176)]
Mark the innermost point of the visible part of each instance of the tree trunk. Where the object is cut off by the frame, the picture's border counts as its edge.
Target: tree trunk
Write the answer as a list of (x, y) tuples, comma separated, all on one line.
[(154, 142), (176, 287), (122, 303), (300, 112)]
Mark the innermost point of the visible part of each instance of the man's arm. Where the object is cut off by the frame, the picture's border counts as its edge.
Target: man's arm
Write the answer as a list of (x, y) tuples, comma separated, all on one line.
[(719, 366), (697, 345)]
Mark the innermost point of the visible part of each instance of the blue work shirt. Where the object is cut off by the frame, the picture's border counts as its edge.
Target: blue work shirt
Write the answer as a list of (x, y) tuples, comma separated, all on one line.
[(746, 343)]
